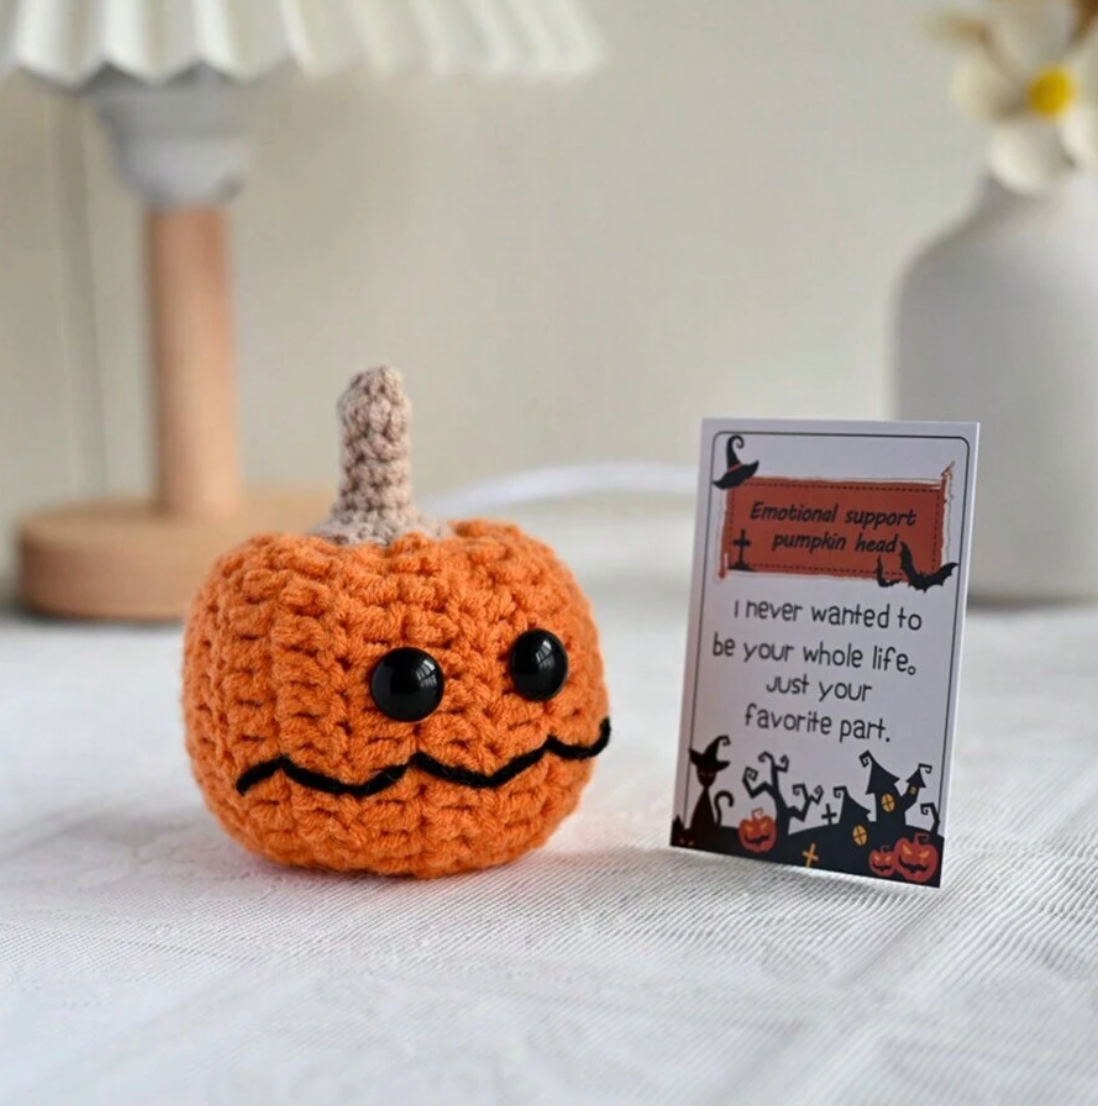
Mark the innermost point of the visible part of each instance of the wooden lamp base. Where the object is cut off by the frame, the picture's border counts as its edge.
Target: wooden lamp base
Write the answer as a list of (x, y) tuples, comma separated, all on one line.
[(143, 560), (124, 559)]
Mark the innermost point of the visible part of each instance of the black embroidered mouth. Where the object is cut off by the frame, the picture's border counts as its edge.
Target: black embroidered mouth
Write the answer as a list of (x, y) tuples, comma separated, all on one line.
[(450, 773)]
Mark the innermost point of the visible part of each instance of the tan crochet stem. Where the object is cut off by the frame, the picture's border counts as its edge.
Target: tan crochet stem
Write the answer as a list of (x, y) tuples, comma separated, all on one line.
[(374, 503)]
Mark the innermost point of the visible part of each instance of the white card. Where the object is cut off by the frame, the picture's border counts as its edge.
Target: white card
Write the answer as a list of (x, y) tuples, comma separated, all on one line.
[(824, 648)]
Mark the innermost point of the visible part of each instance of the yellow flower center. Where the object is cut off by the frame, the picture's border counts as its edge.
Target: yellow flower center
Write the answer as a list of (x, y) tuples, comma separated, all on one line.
[(1052, 92)]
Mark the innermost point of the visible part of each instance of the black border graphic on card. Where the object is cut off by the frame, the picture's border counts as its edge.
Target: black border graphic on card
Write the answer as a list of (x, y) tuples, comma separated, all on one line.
[(878, 842)]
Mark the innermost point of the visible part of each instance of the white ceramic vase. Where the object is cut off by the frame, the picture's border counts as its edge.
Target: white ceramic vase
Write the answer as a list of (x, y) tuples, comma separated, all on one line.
[(998, 322)]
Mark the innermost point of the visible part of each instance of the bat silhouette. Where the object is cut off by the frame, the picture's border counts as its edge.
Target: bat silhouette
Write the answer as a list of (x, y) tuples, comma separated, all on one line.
[(882, 580), (923, 581)]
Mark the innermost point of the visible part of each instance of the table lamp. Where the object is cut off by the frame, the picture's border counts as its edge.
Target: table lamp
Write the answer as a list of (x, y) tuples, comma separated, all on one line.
[(176, 83)]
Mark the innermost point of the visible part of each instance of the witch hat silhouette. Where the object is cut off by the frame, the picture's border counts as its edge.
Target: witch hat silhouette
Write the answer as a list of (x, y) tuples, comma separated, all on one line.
[(709, 763), (738, 473)]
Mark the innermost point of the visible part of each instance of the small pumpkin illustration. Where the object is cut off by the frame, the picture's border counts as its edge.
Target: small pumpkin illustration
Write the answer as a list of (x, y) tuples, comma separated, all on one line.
[(391, 693), (882, 862), (916, 860), (759, 833)]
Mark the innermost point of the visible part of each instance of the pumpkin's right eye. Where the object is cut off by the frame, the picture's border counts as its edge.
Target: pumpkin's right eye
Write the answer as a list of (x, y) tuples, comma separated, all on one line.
[(539, 665), (407, 685)]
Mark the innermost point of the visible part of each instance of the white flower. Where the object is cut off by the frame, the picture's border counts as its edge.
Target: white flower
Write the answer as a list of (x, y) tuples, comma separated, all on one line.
[(1031, 71)]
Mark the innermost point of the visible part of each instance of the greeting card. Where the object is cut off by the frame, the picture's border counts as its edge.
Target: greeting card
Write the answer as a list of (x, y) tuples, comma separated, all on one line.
[(824, 648)]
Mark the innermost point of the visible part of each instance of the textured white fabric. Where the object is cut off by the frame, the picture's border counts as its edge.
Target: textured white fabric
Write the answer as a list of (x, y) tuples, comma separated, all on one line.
[(144, 958)]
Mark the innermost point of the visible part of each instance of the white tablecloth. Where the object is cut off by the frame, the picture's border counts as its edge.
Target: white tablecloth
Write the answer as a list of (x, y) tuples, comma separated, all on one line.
[(144, 958)]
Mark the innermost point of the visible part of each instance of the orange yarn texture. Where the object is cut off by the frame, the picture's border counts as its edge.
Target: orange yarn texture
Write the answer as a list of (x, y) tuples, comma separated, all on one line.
[(280, 647)]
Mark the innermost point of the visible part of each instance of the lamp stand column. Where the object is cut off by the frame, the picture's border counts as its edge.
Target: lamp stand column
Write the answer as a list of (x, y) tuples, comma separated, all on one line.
[(192, 348)]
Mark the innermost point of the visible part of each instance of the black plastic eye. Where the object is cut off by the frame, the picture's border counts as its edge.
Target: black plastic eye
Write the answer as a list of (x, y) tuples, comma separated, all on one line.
[(407, 684), (539, 665)]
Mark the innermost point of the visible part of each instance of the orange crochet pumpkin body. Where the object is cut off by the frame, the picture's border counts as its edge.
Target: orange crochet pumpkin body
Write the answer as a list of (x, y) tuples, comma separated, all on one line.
[(295, 757)]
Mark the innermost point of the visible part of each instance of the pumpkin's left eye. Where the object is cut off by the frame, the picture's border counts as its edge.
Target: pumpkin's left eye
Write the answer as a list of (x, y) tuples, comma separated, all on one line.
[(539, 665), (407, 685)]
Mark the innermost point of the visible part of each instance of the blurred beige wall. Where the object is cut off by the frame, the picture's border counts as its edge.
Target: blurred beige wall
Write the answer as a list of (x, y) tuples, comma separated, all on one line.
[(713, 225)]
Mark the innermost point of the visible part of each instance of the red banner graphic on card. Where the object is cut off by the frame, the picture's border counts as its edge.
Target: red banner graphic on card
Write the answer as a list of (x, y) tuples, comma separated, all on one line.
[(891, 531)]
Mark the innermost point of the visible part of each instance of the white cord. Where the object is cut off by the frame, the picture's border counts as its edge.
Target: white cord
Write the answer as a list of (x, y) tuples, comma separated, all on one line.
[(565, 482)]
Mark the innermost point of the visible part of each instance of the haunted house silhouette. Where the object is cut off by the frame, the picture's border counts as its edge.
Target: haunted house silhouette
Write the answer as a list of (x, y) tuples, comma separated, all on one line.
[(875, 840)]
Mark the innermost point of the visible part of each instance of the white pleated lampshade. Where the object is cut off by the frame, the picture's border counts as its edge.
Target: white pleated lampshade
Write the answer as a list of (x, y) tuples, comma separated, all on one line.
[(71, 42)]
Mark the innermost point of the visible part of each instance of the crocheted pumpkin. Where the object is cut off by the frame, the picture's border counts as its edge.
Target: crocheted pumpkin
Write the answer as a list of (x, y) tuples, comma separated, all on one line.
[(390, 693)]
